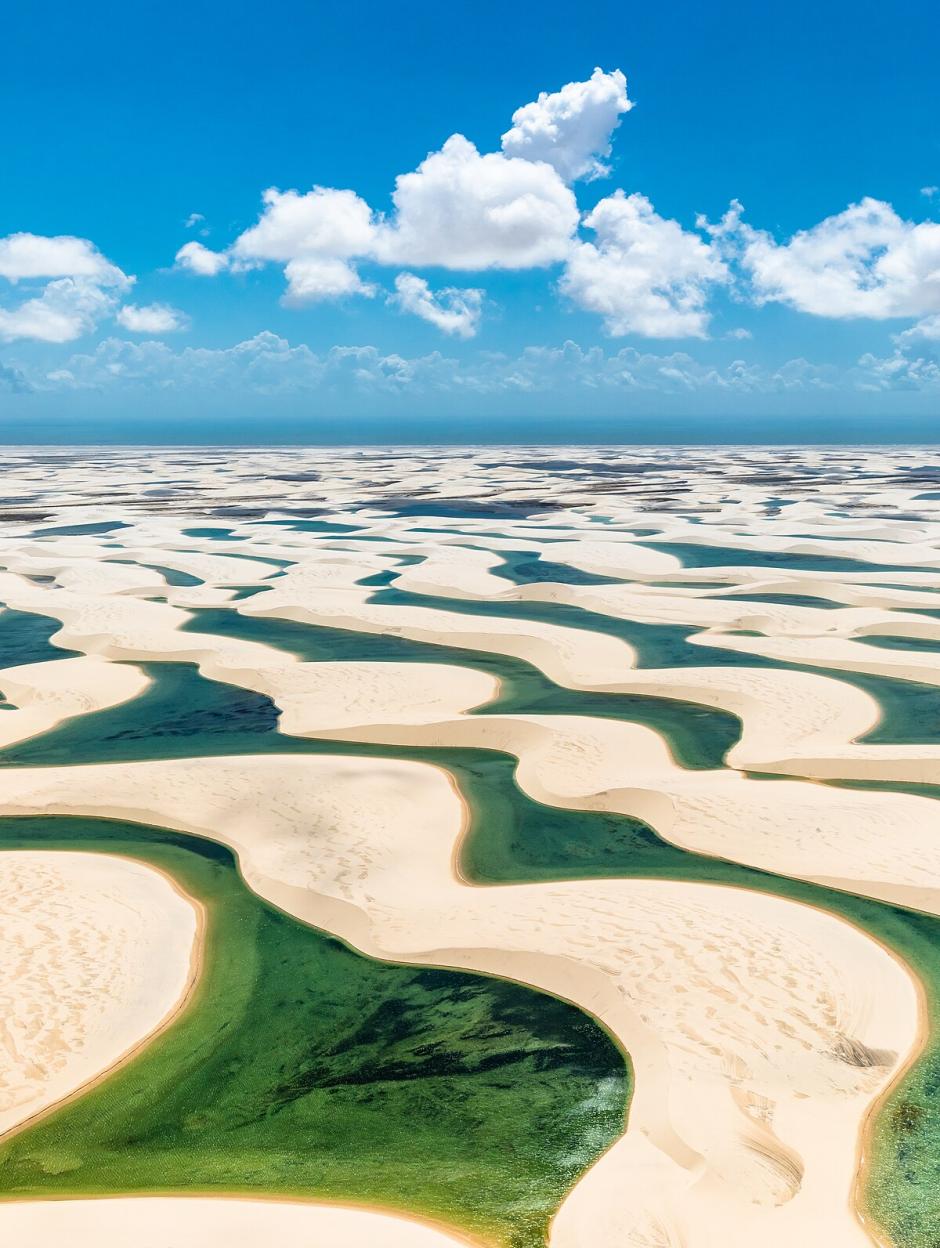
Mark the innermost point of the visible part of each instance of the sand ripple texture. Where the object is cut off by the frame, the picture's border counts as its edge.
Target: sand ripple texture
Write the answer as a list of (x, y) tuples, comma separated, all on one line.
[(95, 953), (762, 1031)]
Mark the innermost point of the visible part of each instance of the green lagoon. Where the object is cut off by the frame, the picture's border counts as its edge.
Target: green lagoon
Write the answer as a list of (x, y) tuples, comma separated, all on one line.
[(206, 1125)]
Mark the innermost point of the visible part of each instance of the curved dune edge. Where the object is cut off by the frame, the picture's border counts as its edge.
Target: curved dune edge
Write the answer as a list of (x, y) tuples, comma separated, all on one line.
[(47, 694), (214, 1222), (99, 955), (866, 1218), (785, 715), (687, 809), (579, 761), (793, 723), (744, 1122)]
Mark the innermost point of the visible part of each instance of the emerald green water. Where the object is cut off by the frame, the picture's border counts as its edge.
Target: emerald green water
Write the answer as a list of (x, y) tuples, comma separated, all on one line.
[(910, 710), (511, 839), (785, 600), (24, 638), (693, 555), (311, 526), (523, 567), (172, 576), (916, 645), (306, 1069), (699, 736), (214, 533), (81, 530), (656, 645)]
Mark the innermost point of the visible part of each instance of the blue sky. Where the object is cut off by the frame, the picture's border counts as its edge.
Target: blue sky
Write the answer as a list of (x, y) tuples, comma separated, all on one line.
[(586, 276)]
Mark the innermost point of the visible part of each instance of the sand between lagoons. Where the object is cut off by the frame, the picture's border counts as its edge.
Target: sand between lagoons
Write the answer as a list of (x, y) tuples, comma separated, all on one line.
[(881, 845), (45, 694), (786, 715), (97, 954), (744, 1014)]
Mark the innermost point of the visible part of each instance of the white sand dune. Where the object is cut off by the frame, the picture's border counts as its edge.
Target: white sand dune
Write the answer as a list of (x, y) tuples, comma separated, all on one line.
[(46, 694), (96, 953), (760, 1030), (793, 722), (212, 1222), (786, 716)]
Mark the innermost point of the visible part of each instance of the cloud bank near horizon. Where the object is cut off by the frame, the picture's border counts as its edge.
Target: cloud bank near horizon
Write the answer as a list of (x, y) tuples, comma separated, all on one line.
[(469, 214)]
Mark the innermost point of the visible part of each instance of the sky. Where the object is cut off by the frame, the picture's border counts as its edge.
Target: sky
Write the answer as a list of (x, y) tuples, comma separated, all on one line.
[(470, 222)]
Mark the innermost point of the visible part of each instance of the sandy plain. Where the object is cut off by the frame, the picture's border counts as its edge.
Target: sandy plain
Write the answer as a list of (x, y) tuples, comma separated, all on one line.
[(762, 1031)]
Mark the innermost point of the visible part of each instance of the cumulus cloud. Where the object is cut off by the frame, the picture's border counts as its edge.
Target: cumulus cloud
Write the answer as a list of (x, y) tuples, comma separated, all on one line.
[(25, 256), (201, 260), (929, 191), (265, 364), (151, 318), (644, 274), (461, 209), (324, 222), (897, 372), (571, 129), (70, 287), (927, 330), (64, 310), (194, 219), (452, 310), (315, 236), (310, 278), (864, 262), (269, 365)]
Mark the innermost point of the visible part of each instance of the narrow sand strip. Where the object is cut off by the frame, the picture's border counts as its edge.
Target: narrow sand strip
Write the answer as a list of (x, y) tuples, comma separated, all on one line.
[(213, 1222)]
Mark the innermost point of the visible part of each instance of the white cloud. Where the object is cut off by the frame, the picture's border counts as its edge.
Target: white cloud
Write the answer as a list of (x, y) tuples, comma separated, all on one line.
[(201, 260), (268, 365), (929, 191), (927, 330), (739, 335), (314, 235), (324, 222), (151, 318), (70, 287), (897, 372), (863, 262), (265, 364), (64, 310), (194, 219), (645, 274), (452, 310), (26, 256), (460, 209), (310, 278), (463, 210), (571, 129)]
